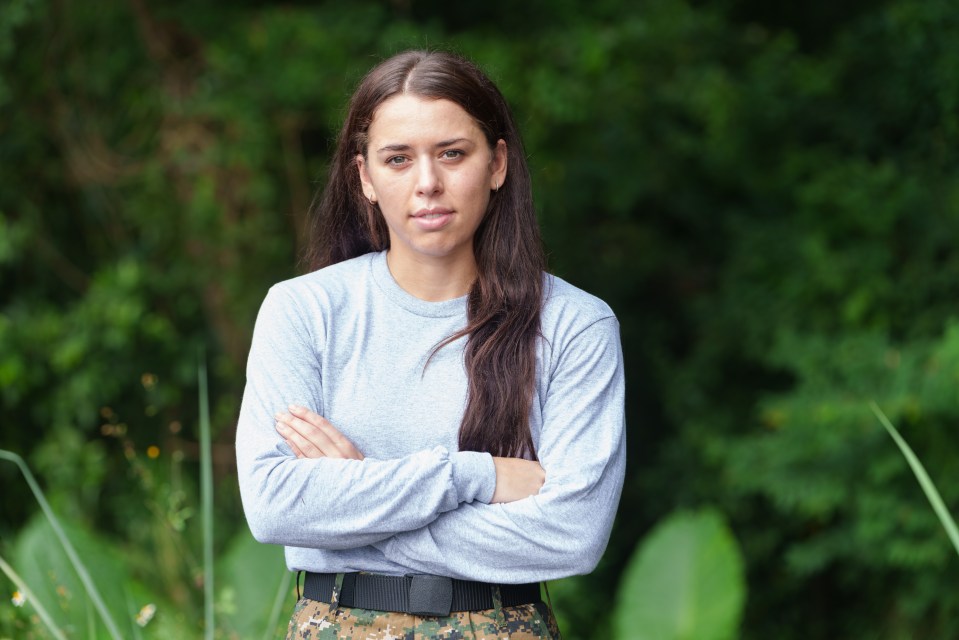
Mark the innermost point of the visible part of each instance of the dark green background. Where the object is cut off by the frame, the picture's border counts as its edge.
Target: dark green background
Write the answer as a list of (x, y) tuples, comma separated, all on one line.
[(767, 194)]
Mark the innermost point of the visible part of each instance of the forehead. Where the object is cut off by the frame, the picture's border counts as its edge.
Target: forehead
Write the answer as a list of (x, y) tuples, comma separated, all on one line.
[(407, 119)]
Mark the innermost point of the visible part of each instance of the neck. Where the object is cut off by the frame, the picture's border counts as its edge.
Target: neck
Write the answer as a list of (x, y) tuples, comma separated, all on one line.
[(432, 279)]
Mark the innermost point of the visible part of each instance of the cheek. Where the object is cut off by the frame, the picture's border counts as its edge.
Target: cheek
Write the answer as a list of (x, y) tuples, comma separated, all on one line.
[(476, 184), (389, 188)]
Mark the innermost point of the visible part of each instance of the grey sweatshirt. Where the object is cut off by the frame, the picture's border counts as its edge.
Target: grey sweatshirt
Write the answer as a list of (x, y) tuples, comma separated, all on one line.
[(350, 344)]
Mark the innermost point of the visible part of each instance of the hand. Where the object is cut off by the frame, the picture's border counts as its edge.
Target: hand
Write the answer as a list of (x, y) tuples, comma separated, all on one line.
[(517, 479), (310, 435)]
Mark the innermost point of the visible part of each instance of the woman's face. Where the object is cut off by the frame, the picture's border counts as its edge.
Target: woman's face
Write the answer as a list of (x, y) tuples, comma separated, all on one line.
[(430, 169)]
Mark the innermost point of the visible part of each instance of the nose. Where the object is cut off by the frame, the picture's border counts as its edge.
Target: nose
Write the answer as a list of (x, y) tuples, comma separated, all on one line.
[(428, 179)]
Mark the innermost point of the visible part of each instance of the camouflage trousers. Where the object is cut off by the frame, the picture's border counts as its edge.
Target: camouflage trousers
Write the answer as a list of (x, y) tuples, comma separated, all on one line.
[(313, 620)]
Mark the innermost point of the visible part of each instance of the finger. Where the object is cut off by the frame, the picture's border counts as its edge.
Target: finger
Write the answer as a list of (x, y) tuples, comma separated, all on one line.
[(304, 413), (309, 429), (314, 434), (335, 436), (295, 449), (340, 441), (324, 435), (315, 427), (308, 444)]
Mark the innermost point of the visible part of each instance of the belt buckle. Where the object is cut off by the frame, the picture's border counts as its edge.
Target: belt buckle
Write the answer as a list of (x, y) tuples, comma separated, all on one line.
[(430, 595)]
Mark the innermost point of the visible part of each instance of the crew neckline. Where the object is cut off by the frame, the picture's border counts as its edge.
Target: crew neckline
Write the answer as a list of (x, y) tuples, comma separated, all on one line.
[(388, 284)]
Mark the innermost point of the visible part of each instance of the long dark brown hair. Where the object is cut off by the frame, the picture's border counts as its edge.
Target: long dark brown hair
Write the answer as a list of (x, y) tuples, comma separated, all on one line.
[(503, 308)]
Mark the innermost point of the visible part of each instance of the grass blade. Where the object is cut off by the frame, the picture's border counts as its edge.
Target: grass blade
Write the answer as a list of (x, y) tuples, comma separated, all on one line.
[(924, 481), (78, 566), (206, 500), (32, 600), (91, 622), (132, 612), (278, 601)]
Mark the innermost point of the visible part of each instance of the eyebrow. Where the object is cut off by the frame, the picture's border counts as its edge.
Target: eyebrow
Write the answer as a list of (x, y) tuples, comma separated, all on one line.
[(406, 147)]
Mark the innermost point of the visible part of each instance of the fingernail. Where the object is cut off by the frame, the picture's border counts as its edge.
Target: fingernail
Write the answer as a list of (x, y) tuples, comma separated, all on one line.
[(294, 408), (281, 427)]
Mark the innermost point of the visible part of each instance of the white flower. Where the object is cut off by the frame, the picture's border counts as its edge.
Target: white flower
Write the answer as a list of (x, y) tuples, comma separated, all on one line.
[(18, 599), (146, 614)]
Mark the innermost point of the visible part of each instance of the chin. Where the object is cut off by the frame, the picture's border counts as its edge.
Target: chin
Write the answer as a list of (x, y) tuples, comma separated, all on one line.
[(437, 251)]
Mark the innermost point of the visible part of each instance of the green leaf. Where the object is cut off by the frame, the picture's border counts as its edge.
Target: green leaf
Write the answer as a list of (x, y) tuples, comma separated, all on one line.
[(27, 594), (684, 582), (250, 576), (51, 527), (932, 494), (44, 565)]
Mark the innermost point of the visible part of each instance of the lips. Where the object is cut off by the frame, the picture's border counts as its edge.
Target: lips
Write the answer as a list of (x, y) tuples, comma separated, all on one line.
[(432, 218)]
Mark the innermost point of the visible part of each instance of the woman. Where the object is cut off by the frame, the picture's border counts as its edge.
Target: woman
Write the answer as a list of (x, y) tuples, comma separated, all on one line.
[(431, 425)]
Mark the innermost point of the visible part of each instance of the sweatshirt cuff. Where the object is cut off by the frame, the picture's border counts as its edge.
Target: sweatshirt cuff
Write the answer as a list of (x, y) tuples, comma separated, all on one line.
[(474, 476)]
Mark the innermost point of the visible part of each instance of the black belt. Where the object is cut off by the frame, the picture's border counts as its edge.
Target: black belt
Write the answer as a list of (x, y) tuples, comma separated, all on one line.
[(423, 595)]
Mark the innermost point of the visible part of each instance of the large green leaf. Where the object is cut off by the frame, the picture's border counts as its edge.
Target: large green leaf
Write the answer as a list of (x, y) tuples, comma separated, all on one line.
[(42, 563), (250, 578), (684, 582)]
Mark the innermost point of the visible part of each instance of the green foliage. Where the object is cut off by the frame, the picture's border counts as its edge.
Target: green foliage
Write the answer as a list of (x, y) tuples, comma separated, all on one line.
[(250, 578), (66, 546), (928, 486), (55, 561), (808, 457), (21, 596), (44, 566), (684, 582)]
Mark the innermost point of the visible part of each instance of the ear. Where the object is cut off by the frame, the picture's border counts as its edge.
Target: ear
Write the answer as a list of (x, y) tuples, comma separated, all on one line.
[(368, 190), (498, 165)]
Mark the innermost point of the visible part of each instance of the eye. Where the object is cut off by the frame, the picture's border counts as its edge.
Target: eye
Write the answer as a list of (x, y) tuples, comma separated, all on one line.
[(396, 161), (452, 154)]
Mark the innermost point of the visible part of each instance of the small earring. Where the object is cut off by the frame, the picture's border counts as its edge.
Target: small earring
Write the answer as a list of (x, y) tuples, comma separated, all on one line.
[(496, 188), (372, 200)]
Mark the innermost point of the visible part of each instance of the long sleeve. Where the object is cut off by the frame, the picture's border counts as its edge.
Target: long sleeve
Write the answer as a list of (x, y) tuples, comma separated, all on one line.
[(565, 528), (329, 503)]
